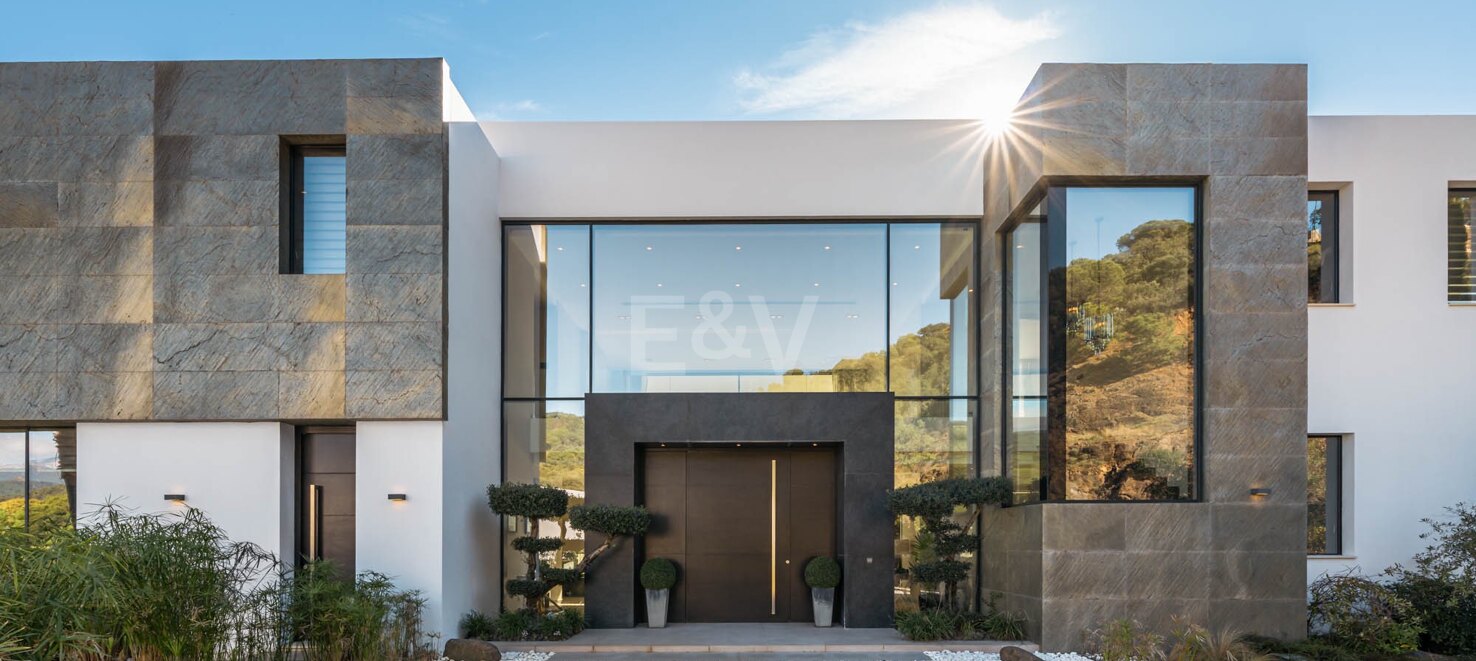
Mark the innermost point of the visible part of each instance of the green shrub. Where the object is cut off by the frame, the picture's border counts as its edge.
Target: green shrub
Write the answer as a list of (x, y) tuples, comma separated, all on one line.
[(1447, 616), (477, 624), (528, 624), (943, 624), (1363, 616), (1313, 649), (174, 586), (658, 574), (1441, 586), (822, 572), (537, 501), (1124, 640), (927, 625), (336, 618)]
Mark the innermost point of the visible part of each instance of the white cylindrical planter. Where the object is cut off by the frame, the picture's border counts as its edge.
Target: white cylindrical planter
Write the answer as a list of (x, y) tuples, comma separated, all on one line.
[(823, 601), (656, 607)]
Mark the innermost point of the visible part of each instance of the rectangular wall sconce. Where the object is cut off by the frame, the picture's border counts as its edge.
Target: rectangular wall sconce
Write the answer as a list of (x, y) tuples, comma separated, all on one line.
[(397, 496), (1258, 493), (174, 497)]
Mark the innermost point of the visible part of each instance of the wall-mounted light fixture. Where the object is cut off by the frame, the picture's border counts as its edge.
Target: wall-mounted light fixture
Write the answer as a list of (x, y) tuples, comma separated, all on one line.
[(1259, 493), (397, 496), (174, 497)]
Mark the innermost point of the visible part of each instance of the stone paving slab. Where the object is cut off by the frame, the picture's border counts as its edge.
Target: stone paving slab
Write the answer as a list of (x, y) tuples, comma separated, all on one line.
[(746, 639)]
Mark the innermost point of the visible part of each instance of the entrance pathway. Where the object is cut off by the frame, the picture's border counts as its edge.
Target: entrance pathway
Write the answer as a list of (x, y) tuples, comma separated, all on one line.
[(746, 639)]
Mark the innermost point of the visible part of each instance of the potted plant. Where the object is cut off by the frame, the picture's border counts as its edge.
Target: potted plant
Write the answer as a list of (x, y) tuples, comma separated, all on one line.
[(822, 574), (657, 577)]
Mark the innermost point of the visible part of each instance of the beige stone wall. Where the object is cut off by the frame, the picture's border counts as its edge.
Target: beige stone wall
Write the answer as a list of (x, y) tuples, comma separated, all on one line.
[(139, 268), (1227, 561)]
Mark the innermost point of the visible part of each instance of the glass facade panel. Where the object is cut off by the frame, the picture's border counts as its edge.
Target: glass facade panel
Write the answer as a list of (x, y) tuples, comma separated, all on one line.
[(1322, 247), (739, 308), (1025, 357), (934, 440), (1129, 341), (932, 281), (543, 443), (52, 473), (1103, 401), (1324, 495), (723, 307), (546, 311), (1461, 255), (43, 464), (12, 479), (324, 214)]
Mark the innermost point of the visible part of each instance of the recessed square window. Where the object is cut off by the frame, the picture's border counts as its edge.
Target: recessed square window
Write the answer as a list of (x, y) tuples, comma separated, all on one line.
[(314, 238)]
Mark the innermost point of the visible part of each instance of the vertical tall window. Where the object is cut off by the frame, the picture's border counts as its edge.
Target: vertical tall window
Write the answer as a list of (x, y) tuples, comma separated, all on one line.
[(1460, 236), (1103, 398), (315, 240), (1324, 495), (1322, 247), (38, 479), (1025, 355)]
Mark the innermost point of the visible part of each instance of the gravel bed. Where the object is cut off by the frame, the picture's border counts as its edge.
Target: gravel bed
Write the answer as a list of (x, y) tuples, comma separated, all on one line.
[(991, 656)]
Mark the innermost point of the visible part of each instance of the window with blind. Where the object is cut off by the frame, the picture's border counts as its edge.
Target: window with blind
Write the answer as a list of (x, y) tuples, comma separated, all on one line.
[(1460, 231), (315, 240)]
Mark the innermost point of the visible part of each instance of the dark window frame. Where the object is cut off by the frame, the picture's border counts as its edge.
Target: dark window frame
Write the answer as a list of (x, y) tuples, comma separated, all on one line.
[(292, 223), (1334, 491), (26, 431), (1050, 193), (1330, 289)]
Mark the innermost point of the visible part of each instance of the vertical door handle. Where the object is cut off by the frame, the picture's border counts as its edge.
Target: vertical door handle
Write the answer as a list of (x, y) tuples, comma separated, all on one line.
[(314, 521)]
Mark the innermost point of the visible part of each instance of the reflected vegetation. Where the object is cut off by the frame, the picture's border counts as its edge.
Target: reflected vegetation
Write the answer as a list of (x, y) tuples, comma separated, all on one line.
[(1113, 390)]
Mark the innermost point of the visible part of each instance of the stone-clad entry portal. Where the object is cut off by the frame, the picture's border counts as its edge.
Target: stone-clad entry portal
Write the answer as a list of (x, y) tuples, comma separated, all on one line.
[(623, 430)]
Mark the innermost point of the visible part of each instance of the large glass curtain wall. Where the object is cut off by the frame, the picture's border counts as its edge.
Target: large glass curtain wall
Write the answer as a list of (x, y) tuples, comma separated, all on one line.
[(729, 307), (1100, 333)]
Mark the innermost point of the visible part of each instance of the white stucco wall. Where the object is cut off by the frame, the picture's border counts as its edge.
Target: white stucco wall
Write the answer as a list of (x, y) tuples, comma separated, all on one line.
[(1394, 365), (739, 169), (472, 447), (401, 539), (239, 473)]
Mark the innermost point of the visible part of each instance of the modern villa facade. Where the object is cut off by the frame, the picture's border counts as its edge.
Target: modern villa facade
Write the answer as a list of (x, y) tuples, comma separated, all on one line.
[(323, 303)]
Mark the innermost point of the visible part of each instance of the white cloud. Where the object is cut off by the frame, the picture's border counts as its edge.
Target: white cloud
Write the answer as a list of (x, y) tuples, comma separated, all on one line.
[(946, 60), (511, 109)]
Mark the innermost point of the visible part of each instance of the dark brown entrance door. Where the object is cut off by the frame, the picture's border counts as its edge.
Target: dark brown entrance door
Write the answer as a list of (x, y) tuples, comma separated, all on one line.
[(325, 517), (740, 523)]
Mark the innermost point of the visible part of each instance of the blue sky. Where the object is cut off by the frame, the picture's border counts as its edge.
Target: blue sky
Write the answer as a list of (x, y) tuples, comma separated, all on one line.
[(773, 59)]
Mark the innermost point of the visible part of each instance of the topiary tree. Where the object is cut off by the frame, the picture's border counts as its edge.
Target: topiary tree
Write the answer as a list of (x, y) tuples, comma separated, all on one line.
[(822, 571), (658, 574), (538, 502), (936, 505)]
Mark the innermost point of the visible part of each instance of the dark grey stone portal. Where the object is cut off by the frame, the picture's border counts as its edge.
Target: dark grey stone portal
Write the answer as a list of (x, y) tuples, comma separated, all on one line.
[(617, 425)]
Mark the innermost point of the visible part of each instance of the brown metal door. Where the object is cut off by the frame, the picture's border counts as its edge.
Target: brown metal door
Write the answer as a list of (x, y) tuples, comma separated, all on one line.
[(326, 502), (740, 523)]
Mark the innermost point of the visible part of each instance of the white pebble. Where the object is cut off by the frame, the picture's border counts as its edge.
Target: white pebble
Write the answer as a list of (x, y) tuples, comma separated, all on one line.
[(991, 656)]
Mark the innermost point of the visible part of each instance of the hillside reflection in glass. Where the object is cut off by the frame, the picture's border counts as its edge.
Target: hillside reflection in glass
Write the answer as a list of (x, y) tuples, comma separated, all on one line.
[(757, 307), (1120, 382)]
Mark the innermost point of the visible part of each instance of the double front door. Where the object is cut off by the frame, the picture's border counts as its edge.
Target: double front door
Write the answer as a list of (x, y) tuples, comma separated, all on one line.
[(740, 523)]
